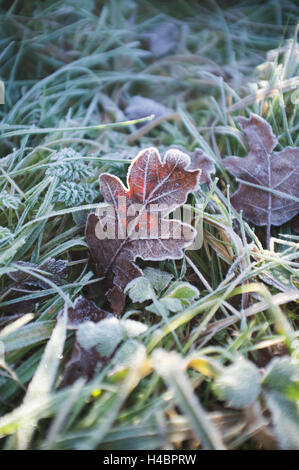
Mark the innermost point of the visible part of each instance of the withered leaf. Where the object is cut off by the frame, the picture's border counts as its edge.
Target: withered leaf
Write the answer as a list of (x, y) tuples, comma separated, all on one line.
[(162, 38), (200, 160), (140, 107), (275, 171), (83, 362), (56, 269), (85, 310), (26, 283), (155, 189), (295, 224)]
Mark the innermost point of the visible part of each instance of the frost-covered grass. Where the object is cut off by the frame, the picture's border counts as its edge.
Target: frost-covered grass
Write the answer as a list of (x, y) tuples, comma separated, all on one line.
[(203, 377)]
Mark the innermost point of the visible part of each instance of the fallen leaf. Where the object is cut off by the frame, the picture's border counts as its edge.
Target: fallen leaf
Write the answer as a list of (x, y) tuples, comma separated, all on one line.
[(26, 283), (155, 189), (140, 107), (276, 172), (99, 335), (200, 160), (162, 38), (295, 224), (56, 269), (83, 362), (85, 310)]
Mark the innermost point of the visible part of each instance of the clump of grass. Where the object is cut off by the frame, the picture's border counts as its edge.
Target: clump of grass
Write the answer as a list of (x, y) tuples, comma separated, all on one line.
[(70, 72)]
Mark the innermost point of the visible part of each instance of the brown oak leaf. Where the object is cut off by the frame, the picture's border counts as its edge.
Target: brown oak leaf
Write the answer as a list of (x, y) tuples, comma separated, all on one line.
[(25, 283), (135, 224), (83, 362), (162, 38), (85, 310), (140, 107), (276, 172), (295, 224), (200, 160)]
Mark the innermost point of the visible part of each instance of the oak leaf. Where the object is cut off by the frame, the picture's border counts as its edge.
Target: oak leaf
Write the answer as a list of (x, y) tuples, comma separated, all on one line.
[(83, 362), (162, 38), (155, 189), (200, 160), (273, 200), (140, 107), (85, 310), (99, 335), (24, 283)]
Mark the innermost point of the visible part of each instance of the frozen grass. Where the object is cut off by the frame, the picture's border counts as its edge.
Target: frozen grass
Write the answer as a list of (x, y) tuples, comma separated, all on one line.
[(69, 72)]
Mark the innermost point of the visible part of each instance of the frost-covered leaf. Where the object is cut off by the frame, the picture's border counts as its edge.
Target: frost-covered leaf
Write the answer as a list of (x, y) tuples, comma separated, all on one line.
[(162, 38), (200, 161), (5, 234), (52, 269), (182, 291), (295, 224), (82, 364), (70, 171), (280, 373), (139, 289), (74, 194), (177, 296), (158, 279), (279, 384), (134, 222), (285, 419), (275, 171), (55, 268), (132, 328), (8, 201), (173, 305), (85, 310), (127, 352), (65, 153), (107, 334), (239, 384), (140, 107)]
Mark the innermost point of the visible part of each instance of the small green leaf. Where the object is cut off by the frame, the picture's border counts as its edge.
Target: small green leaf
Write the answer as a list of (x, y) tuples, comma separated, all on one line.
[(173, 305), (132, 328), (158, 279), (239, 384), (105, 335), (285, 418), (139, 289), (5, 233), (281, 373), (182, 290), (8, 200), (70, 171), (127, 352)]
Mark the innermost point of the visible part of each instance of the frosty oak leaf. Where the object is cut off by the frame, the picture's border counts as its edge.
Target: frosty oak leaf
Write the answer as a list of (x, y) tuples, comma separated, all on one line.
[(155, 188), (269, 181)]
